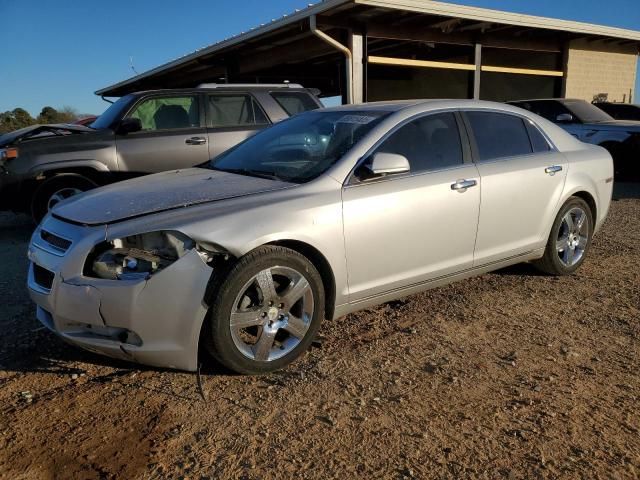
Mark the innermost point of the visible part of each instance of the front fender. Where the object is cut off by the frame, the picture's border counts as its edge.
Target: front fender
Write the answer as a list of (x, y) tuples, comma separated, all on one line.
[(69, 165)]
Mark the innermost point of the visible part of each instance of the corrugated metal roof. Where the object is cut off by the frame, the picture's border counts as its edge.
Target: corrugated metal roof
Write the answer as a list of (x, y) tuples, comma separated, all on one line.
[(429, 7), (497, 16)]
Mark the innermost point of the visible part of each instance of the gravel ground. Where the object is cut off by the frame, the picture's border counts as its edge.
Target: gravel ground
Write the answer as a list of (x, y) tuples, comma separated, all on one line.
[(509, 375)]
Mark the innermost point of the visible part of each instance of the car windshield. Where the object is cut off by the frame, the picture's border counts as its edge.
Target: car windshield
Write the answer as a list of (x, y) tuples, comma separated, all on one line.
[(112, 113), (587, 113), (301, 148)]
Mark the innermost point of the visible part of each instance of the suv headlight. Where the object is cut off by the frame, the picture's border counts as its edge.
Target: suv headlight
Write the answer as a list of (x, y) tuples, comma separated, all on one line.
[(137, 256)]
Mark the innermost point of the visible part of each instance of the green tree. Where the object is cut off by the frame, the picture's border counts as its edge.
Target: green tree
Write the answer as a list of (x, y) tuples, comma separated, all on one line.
[(22, 118), (48, 115), (67, 114), (51, 115), (15, 119)]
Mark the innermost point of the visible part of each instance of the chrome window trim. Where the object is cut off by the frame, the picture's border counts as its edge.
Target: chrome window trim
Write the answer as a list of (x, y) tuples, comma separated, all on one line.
[(465, 161), (399, 176)]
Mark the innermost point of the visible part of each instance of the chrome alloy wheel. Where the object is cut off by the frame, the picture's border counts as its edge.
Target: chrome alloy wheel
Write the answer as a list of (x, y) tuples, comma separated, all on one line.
[(272, 313), (573, 236), (61, 195)]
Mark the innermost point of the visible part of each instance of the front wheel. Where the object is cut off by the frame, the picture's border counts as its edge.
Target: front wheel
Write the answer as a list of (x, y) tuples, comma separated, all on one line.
[(55, 190), (569, 240), (266, 312)]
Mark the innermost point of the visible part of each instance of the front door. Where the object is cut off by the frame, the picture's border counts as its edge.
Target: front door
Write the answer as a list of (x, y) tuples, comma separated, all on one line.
[(405, 229), (172, 136)]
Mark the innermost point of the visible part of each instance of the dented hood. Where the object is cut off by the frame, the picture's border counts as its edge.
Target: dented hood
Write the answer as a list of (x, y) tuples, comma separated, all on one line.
[(160, 192), (41, 131)]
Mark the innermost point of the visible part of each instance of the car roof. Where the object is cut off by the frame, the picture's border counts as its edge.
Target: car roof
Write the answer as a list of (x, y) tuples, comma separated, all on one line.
[(227, 88), (431, 104), (618, 104), (561, 100)]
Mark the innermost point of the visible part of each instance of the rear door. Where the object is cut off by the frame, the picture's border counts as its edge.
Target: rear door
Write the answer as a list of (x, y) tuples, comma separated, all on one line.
[(522, 179), (231, 118), (173, 135), (405, 229)]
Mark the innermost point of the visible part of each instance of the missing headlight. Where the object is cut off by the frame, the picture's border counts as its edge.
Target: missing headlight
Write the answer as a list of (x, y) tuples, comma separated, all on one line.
[(137, 256)]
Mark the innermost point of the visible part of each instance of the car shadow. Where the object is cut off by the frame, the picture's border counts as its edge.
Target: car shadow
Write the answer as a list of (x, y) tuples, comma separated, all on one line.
[(520, 270), (44, 352), (626, 190)]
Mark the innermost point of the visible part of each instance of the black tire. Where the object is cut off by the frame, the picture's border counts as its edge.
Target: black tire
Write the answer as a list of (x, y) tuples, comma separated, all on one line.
[(551, 262), (217, 331), (42, 196)]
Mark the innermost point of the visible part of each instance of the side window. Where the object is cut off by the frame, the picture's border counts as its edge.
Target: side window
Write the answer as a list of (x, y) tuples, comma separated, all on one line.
[(499, 135), (429, 143), (164, 113), (294, 102), (235, 110), (538, 142)]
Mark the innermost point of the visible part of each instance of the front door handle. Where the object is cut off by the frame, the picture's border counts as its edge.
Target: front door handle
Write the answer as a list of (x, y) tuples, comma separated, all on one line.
[(195, 141), (462, 185), (552, 170)]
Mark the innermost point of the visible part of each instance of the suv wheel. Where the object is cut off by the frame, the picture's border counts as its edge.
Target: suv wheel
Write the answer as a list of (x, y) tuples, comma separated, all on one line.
[(55, 190), (266, 312), (569, 240)]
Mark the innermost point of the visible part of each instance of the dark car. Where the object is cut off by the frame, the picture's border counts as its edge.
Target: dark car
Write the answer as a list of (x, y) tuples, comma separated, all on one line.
[(141, 133), (621, 111), (592, 125), (86, 121)]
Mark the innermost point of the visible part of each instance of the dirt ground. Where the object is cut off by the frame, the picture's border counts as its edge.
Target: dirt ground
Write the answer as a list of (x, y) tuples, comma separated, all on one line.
[(509, 375)]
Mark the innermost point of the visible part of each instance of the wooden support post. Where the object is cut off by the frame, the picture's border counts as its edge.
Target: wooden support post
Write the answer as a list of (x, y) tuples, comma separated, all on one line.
[(478, 72), (357, 71)]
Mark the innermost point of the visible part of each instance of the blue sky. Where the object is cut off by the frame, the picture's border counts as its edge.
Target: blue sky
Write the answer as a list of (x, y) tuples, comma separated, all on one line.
[(59, 53)]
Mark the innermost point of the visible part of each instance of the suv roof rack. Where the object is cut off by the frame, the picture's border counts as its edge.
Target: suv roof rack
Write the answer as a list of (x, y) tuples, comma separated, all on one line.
[(249, 85)]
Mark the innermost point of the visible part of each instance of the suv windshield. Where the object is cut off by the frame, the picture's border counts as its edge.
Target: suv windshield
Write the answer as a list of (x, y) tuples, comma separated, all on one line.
[(587, 113), (112, 113), (301, 148)]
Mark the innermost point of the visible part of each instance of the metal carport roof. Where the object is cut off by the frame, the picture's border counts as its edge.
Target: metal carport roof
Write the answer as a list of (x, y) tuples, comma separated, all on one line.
[(482, 16)]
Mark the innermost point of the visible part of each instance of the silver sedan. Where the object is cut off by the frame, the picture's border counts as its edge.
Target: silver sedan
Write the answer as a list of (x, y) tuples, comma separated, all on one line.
[(320, 215)]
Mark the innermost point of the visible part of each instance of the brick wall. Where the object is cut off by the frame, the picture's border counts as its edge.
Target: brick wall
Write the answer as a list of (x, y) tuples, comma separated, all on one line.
[(594, 68)]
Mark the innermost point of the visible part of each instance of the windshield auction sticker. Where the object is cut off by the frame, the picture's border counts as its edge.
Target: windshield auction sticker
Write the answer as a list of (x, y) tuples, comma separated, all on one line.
[(359, 119)]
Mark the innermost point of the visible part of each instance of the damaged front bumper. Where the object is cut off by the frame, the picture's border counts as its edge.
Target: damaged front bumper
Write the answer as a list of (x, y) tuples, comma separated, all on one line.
[(154, 321)]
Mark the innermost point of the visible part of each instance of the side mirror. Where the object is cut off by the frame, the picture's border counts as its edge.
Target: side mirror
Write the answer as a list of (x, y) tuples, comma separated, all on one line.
[(564, 118), (129, 125), (384, 163)]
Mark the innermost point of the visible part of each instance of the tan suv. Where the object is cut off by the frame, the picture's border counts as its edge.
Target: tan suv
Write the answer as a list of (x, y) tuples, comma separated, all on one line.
[(143, 132)]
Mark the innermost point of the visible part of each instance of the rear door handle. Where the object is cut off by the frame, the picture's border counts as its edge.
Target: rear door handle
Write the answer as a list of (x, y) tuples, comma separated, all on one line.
[(195, 141), (462, 185), (553, 169)]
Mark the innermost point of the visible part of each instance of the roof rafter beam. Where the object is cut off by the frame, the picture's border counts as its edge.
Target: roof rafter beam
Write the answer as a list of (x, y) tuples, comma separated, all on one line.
[(482, 26), (461, 38)]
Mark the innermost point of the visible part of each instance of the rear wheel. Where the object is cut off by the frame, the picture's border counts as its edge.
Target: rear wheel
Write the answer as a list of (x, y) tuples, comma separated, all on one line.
[(267, 311), (55, 190), (569, 240)]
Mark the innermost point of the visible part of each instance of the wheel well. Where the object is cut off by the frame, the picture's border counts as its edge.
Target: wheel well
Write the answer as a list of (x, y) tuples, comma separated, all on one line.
[(323, 266), (92, 174), (586, 196)]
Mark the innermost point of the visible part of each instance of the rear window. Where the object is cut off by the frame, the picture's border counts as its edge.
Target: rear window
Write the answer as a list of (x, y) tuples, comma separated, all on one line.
[(498, 135), (294, 102), (538, 142), (235, 110)]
